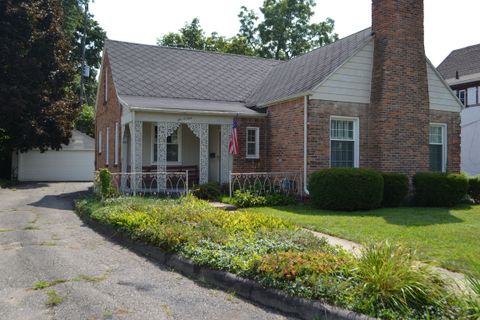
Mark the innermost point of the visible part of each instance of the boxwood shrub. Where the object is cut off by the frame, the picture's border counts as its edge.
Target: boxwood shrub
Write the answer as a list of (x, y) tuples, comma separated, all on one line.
[(435, 189), (395, 189), (346, 189), (474, 189)]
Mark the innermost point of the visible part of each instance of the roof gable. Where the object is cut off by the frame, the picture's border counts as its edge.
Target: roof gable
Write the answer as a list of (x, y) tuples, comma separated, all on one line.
[(303, 73), (466, 61)]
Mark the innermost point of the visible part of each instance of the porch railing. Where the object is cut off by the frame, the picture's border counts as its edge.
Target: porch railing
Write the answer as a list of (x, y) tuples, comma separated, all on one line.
[(267, 182), (151, 183)]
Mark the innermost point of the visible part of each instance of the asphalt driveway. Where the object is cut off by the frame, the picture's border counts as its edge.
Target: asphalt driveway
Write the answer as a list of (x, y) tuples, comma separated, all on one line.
[(41, 239)]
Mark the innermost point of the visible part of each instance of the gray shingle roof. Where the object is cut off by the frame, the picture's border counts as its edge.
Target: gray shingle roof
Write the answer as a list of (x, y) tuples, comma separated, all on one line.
[(154, 71), (303, 73), (466, 61), (162, 72)]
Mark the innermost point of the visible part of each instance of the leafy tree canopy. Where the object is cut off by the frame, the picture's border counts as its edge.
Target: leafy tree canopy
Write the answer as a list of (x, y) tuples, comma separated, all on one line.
[(37, 105), (192, 36), (85, 122), (73, 27), (284, 31)]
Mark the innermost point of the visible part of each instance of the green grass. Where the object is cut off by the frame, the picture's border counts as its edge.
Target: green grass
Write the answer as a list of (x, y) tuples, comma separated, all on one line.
[(54, 299), (449, 238), (40, 285)]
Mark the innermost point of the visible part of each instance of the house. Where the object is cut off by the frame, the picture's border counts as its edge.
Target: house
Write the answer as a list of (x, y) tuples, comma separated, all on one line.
[(461, 69), (370, 100), (74, 162)]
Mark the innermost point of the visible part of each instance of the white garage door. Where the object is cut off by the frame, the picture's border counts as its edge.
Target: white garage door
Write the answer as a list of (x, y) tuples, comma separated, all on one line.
[(65, 165)]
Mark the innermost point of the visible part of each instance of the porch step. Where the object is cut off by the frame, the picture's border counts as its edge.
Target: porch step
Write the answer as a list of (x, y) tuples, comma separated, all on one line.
[(223, 206)]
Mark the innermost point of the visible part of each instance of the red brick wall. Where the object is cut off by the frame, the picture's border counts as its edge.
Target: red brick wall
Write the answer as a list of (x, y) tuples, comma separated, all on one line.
[(240, 161), (399, 117), (452, 120), (319, 113), (107, 114), (285, 127)]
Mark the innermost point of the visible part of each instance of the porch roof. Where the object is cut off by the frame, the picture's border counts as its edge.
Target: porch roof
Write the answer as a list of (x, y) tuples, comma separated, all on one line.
[(176, 105)]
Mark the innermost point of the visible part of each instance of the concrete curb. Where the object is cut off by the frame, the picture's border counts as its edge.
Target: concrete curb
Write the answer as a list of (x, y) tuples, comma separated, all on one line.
[(250, 290)]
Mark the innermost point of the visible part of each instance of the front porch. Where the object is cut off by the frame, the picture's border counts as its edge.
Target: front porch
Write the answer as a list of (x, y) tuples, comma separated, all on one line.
[(156, 144)]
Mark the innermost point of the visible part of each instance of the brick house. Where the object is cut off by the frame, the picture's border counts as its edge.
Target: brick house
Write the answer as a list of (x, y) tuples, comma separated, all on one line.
[(370, 100), (461, 70)]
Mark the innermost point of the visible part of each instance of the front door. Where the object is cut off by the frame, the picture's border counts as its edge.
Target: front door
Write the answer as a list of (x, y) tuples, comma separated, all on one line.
[(214, 153)]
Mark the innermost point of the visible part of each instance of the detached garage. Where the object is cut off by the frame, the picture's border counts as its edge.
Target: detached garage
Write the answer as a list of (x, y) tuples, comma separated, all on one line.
[(74, 162)]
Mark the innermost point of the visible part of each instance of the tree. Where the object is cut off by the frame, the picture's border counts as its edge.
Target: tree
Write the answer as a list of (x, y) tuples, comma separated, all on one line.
[(285, 31), (192, 36), (85, 122), (73, 27), (37, 105)]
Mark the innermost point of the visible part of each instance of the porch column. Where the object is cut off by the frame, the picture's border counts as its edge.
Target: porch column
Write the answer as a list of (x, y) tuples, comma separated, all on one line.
[(226, 130), (123, 158), (164, 129), (201, 131), (137, 150)]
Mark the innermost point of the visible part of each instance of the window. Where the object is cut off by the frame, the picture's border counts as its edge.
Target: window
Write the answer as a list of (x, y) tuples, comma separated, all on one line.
[(461, 96), (115, 161), (438, 147), (174, 146), (344, 148), (472, 96), (107, 147), (253, 143), (99, 141)]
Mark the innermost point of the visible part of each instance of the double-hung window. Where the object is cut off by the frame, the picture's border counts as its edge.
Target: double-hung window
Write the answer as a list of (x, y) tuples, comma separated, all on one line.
[(174, 146), (438, 147), (462, 96), (99, 138), (253, 142), (344, 147), (471, 96), (115, 161)]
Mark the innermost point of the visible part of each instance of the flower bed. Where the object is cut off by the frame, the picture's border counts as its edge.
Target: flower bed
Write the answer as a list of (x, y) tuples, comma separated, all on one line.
[(385, 282)]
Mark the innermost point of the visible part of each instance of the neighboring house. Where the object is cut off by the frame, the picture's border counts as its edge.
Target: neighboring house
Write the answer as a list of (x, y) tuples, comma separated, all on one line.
[(461, 69), (74, 162), (369, 100)]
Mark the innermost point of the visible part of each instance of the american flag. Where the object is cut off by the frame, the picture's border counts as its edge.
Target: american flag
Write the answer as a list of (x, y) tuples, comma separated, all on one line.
[(233, 145)]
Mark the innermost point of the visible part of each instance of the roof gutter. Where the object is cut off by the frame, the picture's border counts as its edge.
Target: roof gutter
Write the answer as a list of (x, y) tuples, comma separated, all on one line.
[(199, 112), (305, 140)]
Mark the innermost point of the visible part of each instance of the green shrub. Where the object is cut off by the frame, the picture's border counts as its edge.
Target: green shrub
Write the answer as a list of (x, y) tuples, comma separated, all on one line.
[(474, 189), (208, 191), (105, 180), (247, 199), (346, 189), (280, 199), (439, 189), (395, 189)]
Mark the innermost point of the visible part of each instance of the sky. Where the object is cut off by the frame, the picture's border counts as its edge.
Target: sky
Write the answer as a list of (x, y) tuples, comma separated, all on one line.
[(449, 25)]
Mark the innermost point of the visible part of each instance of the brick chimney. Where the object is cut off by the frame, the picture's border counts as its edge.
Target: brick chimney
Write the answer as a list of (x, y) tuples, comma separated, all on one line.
[(399, 114)]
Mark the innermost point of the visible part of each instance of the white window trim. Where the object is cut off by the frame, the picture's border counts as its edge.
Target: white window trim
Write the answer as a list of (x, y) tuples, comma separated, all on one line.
[(257, 143), (180, 140), (444, 142), (107, 147), (356, 138), (115, 160), (99, 138), (464, 96)]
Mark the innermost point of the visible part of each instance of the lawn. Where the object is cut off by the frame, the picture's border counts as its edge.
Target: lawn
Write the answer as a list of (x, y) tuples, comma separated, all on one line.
[(448, 237)]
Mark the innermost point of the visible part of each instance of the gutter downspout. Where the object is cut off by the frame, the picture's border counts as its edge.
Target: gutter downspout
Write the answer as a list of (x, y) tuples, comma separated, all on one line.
[(305, 138)]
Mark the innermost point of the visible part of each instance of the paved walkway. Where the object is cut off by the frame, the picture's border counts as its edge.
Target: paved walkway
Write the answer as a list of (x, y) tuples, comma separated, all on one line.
[(356, 248), (42, 239)]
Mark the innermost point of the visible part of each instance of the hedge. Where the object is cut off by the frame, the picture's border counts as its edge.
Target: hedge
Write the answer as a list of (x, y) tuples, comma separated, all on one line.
[(474, 189), (346, 189), (395, 189), (439, 189)]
